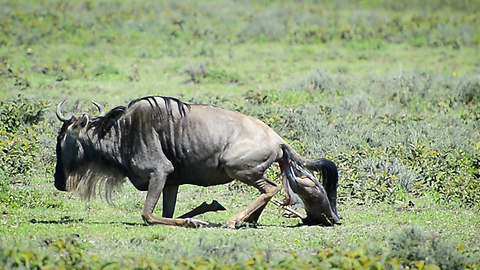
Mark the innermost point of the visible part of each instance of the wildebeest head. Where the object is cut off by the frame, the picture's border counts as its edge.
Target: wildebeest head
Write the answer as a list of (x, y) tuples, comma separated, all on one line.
[(71, 160)]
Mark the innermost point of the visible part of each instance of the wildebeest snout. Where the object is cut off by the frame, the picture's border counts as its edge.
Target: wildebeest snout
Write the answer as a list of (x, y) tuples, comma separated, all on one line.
[(60, 183)]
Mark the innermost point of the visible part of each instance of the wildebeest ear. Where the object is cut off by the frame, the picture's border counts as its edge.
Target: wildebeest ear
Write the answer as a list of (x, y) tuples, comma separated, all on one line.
[(83, 122), (76, 127)]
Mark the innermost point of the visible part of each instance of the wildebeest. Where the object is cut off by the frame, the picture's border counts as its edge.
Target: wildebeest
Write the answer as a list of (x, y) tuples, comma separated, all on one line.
[(159, 143)]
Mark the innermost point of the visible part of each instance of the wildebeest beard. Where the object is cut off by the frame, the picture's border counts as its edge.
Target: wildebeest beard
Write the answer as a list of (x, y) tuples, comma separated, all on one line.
[(89, 180)]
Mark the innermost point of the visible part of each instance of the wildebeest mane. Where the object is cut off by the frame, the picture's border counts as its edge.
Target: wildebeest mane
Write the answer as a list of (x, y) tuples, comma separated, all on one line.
[(102, 125), (152, 100)]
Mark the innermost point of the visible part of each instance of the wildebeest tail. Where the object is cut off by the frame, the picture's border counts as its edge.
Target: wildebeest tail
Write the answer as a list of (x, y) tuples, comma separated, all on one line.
[(325, 167)]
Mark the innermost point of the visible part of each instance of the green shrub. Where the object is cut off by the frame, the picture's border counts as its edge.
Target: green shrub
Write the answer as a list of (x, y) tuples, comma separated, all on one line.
[(22, 127), (200, 73), (414, 245), (18, 113), (19, 135), (26, 258), (18, 152), (68, 253), (104, 70), (469, 91)]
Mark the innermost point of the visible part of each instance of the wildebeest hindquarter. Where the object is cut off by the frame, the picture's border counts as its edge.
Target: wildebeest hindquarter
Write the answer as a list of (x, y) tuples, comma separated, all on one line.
[(159, 143)]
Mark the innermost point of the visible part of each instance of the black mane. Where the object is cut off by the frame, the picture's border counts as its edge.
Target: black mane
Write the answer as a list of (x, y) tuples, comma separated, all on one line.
[(168, 103), (103, 124)]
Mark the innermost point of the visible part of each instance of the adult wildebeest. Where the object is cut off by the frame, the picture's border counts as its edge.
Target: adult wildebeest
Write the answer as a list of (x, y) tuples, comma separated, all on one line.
[(159, 143)]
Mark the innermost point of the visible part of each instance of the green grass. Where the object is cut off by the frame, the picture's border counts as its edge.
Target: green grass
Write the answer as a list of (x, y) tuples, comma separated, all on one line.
[(389, 90), (116, 231), (118, 78)]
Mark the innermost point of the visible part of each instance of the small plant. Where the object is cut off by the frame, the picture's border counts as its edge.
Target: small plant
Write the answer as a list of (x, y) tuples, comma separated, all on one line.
[(199, 73), (318, 81), (104, 70), (66, 254), (19, 135), (16, 113), (413, 245), (469, 91), (196, 73)]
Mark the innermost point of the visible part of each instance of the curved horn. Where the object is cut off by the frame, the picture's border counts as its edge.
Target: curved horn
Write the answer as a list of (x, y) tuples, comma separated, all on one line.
[(60, 115), (101, 111)]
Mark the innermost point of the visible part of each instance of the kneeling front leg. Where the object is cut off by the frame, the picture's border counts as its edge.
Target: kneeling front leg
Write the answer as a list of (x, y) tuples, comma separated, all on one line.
[(155, 188)]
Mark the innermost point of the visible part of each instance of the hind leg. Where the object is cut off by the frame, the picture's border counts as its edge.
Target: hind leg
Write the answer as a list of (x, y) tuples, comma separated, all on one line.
[(254, 210), (247, 162)]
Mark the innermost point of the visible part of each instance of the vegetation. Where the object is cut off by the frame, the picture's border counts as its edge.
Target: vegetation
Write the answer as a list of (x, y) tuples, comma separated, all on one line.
[(69, 255), (388, 90)]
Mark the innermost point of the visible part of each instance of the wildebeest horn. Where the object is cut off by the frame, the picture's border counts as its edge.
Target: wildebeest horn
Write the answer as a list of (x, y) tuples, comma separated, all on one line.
[(101, 111), (60, 115)]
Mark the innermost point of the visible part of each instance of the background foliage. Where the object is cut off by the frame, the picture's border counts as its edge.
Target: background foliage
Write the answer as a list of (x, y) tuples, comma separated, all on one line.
[(388, 90)]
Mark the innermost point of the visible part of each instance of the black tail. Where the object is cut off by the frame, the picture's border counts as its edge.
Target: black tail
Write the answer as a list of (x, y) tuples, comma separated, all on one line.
[(327, 168)]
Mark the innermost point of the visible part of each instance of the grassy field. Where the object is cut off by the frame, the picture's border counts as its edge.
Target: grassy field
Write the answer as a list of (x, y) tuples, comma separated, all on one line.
[(388, 90)]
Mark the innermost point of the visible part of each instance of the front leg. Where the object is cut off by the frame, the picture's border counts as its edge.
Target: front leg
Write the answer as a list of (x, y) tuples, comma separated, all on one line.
[(155, 188), (169, 200), (179, 222)]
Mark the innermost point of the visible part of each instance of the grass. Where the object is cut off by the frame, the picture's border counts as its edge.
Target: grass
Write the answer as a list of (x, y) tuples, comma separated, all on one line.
[(110, 80), (116, 231), (386, 89)]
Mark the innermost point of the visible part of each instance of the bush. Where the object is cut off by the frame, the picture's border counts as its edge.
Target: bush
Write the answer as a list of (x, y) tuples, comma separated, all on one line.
[(200, 73), (19, 135), (67, 255), (469, 91), (21, 128), (18, 152), (419, 251), (414, 245), (379, 135), (17, 113)]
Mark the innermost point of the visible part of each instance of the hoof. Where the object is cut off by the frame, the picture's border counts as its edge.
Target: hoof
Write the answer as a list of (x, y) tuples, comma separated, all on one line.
[(194, 223), (232, 224)]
